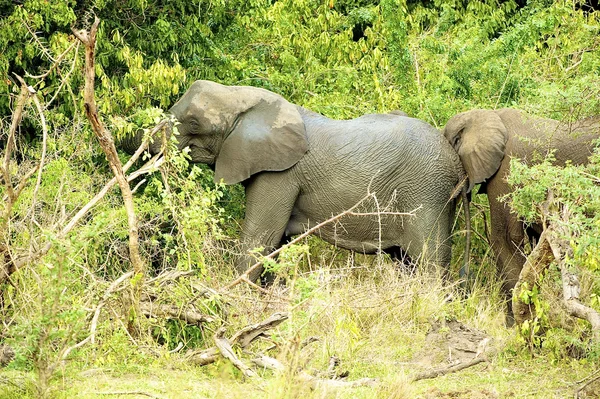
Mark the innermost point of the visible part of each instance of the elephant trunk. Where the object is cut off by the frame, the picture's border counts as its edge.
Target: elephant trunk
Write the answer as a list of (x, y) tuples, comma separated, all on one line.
[(131, 143)]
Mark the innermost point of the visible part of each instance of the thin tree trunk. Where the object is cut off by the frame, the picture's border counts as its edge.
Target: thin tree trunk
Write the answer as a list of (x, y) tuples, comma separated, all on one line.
[(108, 146)]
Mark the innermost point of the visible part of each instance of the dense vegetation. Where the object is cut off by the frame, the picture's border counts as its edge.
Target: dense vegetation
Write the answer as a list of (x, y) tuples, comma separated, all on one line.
[(431, 59)]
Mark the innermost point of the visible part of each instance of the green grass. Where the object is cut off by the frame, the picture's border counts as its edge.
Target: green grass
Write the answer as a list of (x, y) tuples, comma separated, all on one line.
[(374, 318)]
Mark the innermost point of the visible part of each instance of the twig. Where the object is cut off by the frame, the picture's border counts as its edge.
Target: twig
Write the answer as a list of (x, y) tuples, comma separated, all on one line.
[(147, 168), (111, 288), (140, 393), (243, 338), (171, 311), (224, 347), (448, 370), (40, 167), (55, 62), (244, 276), (581, 388)]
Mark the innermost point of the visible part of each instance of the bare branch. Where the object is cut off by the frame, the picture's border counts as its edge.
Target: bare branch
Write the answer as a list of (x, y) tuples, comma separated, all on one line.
[(448, 370), (243, 338), (244, 276), (174, 312), (224, 347), (111, 288), (108, 146)]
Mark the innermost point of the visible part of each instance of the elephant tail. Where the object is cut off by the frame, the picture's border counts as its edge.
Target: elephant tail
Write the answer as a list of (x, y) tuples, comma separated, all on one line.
[(464, 270)]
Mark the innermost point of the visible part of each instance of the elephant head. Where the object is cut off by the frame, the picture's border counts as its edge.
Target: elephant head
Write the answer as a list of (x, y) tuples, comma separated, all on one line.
[(479, 137), (237, 130)]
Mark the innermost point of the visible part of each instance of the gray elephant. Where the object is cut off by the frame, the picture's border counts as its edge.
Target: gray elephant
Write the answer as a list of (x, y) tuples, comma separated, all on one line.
[(485, 141), (300, 168)]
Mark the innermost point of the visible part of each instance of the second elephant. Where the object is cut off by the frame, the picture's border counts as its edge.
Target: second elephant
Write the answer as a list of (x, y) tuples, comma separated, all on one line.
[(300, 168), (485, 141)]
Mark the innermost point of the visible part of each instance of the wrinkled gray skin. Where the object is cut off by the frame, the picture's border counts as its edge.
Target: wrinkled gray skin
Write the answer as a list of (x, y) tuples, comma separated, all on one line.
[(300, 168), (485, 141)]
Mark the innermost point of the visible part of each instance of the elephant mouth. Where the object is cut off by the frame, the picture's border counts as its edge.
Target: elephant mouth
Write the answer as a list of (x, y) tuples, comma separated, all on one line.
[(199, 155)]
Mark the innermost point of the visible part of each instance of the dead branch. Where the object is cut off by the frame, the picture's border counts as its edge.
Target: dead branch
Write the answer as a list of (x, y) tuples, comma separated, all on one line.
[(40, 166), (248, 334), (150, 309), (562, 250), (111, 288), (225, 349), (243, 338), (581, 388), (119, 393), (317, 383), (110, 151), (269, 363), (151, 165), (351, 211), (535, 265), (448, 370), (553, 245)]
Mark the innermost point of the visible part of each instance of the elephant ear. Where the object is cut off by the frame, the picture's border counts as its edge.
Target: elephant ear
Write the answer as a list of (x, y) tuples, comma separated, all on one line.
[(267, 134), (479, 137)]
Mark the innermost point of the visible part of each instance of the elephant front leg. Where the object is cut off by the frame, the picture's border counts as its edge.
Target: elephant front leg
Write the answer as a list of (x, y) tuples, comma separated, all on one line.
[(270, 198)]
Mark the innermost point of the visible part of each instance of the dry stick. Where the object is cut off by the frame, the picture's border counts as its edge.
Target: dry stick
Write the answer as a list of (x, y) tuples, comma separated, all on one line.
[(65, 78), (139, 393), (243, 338), (535, 264), (40, 166), (108, 146), (111, 288), (270, 363), (448, 370), (561, 250), (147, 168), (244, 276), (26, 92), (581, 388), (224, 347), (55, 62), (7, 263), (174, 312)]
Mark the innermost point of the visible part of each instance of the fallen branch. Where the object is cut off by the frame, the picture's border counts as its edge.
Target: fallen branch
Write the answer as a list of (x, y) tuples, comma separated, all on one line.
[(243, 338), (139, 393), (448, 370), (270, 363), (225, 349), (150, 309), (581, 388), (316, 382)]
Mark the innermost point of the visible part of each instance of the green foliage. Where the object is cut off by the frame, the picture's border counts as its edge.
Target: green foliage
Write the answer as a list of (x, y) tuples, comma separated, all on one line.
[(341, 58), (544, 192), (574, 188)]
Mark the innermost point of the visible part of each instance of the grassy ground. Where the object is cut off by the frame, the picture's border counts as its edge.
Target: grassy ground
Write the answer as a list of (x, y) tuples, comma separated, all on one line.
[(380, 322)]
